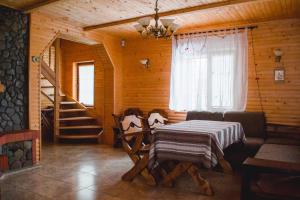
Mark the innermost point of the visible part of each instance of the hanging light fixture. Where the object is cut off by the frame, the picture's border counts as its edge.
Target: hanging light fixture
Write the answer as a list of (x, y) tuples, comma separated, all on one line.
[(163, 28)]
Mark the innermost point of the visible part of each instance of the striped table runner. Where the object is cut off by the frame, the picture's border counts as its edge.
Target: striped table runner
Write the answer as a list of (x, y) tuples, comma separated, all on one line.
[(197, 141)]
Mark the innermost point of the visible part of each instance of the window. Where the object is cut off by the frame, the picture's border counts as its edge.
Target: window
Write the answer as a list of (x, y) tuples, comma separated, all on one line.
[(221, 81), (86, 83), (209, 73)]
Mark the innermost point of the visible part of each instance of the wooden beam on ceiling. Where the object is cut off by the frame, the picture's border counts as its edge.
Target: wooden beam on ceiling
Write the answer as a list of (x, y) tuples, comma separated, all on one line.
[(172, 12), (7, 5), (35, 6)]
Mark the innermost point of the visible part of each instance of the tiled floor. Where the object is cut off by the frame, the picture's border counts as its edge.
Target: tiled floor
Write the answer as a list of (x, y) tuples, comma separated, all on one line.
[(94, 172)]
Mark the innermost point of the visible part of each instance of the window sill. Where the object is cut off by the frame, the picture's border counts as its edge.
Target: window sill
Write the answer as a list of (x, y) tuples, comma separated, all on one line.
[(89, 107)]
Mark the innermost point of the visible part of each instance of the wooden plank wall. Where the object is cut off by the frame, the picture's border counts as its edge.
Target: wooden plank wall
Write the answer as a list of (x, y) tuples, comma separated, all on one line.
[(149, 88), (43, 31), (134, 86)]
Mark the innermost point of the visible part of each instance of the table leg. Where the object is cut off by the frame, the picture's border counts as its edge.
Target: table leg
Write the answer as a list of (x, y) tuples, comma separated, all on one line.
[(225, 166), (176, 172), (193, 171), (203, 184)]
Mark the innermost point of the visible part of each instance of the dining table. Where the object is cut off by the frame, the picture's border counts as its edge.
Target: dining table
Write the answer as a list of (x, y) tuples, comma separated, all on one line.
[(193, 144)]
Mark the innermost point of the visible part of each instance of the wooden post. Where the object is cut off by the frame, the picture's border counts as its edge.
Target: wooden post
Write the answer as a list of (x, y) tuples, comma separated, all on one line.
[(57, 89)]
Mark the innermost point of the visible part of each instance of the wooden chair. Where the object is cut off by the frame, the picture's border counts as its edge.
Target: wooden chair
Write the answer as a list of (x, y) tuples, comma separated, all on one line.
[(132, 131), (156, 118)]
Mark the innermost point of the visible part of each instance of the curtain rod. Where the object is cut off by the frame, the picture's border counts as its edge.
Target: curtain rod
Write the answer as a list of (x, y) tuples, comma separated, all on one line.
[(218, 30)]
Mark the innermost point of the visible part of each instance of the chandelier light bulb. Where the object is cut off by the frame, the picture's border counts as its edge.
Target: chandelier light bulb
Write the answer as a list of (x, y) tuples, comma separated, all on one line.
[(145, 21), (162, 28), (139, 28), (278, 52), (167, 22)]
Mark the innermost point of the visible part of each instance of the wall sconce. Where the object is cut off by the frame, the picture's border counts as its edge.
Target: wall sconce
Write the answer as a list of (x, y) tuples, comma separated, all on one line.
[(278, 53), (2, 88), (123, 43), (145, 62)]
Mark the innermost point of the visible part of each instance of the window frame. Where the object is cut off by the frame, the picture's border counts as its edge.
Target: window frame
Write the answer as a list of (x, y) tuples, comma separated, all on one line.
[(82, 64), (209, 78), (210, 82)]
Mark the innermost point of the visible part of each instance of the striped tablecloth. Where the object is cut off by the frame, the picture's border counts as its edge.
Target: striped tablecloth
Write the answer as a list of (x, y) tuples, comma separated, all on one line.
[(197, 141)]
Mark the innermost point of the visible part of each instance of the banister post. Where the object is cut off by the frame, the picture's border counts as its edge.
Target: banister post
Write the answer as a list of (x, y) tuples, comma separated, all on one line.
[(57, 89)]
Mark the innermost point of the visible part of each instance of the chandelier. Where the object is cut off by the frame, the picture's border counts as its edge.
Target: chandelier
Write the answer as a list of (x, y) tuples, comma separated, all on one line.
[(163, 28)]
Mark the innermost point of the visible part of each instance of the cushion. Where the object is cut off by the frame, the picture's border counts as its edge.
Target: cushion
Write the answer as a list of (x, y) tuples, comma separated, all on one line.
[(214, 116), (280, 140), (253, 122), (278, 152)]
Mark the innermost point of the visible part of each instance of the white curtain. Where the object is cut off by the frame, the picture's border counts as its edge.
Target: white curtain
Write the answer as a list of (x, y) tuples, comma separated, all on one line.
[(209, 72)]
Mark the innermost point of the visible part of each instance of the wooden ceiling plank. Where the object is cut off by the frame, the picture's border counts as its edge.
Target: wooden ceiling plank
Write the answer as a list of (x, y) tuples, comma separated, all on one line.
[(172, 12), (30, 8)]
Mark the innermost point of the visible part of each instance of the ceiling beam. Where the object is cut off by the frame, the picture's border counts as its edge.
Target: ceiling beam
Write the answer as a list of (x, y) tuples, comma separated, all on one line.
[(171, 12), (7, 5), (32, 7)]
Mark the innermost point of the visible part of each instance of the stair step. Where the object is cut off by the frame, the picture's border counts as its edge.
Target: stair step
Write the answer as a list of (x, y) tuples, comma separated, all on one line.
[(80, 127), (75, 118), (61, 95), (72, 110), (46, 109), (77, 136), (68, 102), (48, 86)]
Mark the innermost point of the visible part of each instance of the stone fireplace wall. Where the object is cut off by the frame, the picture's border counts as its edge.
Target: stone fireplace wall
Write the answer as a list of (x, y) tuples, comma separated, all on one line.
[(18, 154), (14, 36)]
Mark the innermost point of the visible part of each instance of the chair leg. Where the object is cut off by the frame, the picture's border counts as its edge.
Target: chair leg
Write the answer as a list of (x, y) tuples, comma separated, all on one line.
[(140, 168)]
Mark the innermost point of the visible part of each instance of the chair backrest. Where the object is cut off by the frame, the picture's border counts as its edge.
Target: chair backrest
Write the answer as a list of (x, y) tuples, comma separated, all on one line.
[(133, 111), (128, 125), (156, 118), (129, 122)]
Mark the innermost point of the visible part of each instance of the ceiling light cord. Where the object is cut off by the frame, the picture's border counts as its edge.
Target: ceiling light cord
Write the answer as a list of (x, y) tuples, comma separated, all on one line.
[(255, 69)]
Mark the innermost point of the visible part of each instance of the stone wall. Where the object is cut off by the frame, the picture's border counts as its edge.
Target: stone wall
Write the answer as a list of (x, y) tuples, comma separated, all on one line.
[(14, 36), (19, 154)]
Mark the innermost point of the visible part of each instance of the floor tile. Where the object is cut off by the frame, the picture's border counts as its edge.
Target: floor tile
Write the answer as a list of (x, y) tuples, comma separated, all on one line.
[(89, 172)]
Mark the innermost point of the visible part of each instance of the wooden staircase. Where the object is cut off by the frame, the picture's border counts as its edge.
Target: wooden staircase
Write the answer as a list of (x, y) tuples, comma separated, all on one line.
[(71, 119), (75, 123), (47, 90)]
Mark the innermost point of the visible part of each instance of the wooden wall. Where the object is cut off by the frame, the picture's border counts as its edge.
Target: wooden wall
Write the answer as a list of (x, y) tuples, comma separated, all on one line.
[(43, 31), (149, 88), (73, 53), (134, 86)]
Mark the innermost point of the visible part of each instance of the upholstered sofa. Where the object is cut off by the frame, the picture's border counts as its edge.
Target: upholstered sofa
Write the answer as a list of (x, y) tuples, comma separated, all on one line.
[(256, 130), (253, 124)]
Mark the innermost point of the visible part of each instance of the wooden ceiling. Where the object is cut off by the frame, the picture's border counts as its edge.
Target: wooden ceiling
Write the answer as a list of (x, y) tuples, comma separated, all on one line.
[(85, 13)]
